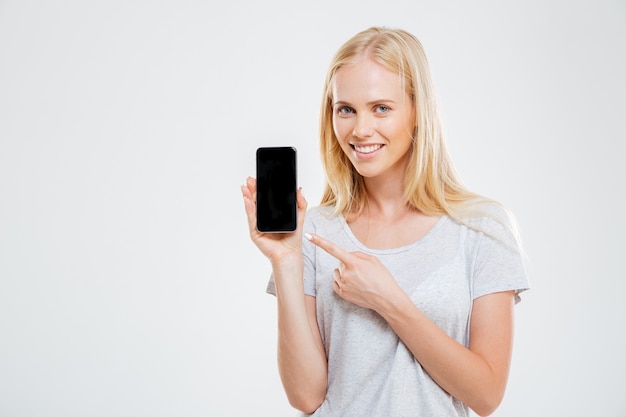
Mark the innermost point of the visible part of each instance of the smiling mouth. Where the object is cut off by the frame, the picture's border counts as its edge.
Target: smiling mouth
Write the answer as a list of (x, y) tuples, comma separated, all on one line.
[(366, 148)]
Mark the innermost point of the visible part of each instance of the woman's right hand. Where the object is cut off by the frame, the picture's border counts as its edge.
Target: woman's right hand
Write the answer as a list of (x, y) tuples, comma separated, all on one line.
[(275, 246)]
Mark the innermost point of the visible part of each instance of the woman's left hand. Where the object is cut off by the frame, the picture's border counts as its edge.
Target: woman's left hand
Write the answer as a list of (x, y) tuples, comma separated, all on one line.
[(360, 278)]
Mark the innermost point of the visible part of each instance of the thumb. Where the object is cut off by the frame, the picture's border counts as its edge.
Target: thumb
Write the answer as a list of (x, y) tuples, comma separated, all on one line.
[(302, 206)]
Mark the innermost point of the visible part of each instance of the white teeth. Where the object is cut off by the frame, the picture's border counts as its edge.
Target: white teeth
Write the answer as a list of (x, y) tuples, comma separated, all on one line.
[(368, 148)]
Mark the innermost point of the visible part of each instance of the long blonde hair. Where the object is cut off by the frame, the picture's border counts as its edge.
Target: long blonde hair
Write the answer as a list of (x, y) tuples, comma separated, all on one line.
[(431, 184)]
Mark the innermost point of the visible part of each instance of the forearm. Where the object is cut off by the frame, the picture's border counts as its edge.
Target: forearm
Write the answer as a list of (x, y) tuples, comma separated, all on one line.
[(461, 372), (301, 358)]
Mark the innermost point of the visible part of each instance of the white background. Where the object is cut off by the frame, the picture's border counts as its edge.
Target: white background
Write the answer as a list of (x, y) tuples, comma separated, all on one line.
[(128, 284)]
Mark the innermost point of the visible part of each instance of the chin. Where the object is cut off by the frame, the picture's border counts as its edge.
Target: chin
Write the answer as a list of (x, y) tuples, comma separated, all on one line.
[(368, 173)]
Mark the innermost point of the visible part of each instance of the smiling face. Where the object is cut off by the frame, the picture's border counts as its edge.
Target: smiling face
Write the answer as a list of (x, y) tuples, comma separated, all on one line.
[(373, 119)]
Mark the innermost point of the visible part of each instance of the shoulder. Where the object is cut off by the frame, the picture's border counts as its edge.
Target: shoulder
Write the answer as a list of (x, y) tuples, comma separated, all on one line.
[(323, 220), (494, 221), (324, 211), (321, 215)]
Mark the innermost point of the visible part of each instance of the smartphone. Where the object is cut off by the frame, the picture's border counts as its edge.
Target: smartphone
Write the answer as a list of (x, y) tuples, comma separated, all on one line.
[(276, 182)]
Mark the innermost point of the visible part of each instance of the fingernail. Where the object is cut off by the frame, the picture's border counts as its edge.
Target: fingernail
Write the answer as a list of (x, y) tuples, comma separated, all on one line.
[(308, 236)]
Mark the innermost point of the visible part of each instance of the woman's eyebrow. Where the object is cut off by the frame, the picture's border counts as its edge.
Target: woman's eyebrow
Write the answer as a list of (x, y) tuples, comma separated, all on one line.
[(369, 103)]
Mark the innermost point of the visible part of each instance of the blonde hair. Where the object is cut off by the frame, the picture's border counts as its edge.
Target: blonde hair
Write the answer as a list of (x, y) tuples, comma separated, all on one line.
[(431, 184)]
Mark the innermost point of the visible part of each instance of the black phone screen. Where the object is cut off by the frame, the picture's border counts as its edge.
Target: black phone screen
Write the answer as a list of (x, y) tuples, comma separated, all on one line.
[(276, 207)]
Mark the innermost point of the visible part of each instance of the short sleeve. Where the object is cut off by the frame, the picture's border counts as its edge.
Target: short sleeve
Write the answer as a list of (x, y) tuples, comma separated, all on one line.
[(499, 264)]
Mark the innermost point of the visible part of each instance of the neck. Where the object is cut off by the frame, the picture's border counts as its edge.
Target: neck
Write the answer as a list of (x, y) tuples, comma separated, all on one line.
[(384, 198)]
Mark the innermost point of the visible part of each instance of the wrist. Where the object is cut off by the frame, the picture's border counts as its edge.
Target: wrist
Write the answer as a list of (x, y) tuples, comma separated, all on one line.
[(286, 261), (395, 306), (288, 275)]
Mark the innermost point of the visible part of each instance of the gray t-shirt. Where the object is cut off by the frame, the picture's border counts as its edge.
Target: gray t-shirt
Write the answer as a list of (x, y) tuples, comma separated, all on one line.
[(370, 370)]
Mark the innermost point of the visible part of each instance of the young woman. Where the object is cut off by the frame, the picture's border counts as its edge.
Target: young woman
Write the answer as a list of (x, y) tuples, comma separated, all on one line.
[(395, 296)]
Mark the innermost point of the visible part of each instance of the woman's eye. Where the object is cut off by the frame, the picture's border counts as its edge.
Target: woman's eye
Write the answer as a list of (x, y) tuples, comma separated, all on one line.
[(345, 110), (382, 108)]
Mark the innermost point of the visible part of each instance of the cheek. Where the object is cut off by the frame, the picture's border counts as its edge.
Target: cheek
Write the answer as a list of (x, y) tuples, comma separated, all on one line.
[(342, 128), (402, 129)]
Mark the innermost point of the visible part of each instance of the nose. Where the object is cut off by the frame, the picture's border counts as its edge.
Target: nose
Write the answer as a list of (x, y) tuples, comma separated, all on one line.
[(364, 127)]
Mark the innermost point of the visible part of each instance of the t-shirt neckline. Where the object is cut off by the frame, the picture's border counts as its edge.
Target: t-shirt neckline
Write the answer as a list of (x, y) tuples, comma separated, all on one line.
[(403, 248)]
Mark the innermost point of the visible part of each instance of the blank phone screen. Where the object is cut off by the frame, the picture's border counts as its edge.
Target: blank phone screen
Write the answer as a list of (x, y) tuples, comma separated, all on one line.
[(276, 189)]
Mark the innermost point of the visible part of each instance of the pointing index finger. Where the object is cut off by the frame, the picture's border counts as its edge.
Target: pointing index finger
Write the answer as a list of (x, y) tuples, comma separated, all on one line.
[(331, 248)]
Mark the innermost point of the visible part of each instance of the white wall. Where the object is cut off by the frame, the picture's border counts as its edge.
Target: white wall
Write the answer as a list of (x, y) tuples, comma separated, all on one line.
[(128, 285)]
